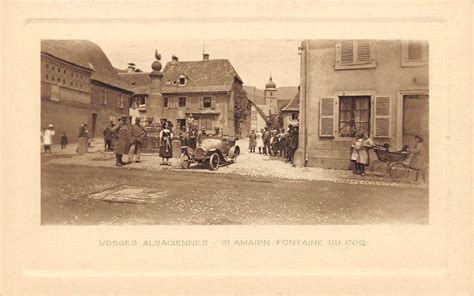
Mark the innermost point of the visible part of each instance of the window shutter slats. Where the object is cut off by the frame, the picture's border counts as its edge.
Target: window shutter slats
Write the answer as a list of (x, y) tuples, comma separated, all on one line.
[(188, 102), (201, 103), (347, 52), (382, 120), (213, 103), (363, 52), (326, 117)]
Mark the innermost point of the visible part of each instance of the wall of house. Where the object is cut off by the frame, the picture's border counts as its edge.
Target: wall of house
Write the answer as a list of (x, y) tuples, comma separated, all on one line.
[(109, 111), (257, 121), (288, 117), (65, 97), (322, 80), (223, 117)]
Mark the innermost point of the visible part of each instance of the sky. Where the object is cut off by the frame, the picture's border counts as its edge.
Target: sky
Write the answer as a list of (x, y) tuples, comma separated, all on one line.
[(254, 60)]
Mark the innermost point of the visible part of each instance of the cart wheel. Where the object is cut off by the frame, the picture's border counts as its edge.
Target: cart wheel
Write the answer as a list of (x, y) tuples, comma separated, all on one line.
[(185, 161), (214, 161), (398, 170), (380, 168)]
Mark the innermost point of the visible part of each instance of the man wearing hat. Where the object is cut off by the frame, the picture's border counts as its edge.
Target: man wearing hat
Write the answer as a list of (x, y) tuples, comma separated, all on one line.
[(48, 138), (122, 143), (137, 132)]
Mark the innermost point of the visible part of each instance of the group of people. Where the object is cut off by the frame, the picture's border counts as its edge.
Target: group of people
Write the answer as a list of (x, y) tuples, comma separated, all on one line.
[(129, 140), (360, 152), (275, 142), (360, 155), (47, 139)]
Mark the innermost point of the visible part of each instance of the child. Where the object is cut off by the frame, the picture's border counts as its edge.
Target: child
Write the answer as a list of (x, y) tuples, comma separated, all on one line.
[(64, 141), (363, 157), (356, 144)]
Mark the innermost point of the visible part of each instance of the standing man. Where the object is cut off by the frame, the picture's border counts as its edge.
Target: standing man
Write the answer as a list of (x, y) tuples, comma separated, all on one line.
[(266, 141), (48, 138), (108, 136), (293, 143), (122, 143), (137, 132), (252, 141)]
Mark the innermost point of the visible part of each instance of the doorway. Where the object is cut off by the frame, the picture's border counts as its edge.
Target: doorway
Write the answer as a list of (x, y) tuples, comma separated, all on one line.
[(93, 124), (416, 120)]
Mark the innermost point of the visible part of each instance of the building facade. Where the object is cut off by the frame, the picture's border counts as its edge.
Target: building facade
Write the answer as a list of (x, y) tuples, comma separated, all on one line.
[(139, 82), (65, 93), (354, 86), (79, 85), (290, 112)]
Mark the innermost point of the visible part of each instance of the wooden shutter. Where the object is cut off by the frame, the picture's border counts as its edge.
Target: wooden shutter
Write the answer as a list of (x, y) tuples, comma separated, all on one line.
[(347, 52), (201, 103), (213, 103), (382, 120), (188, 103), (363, 52), (327, 107)]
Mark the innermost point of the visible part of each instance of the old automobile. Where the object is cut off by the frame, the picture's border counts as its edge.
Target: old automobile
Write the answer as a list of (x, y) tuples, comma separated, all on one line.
[(214, 152)]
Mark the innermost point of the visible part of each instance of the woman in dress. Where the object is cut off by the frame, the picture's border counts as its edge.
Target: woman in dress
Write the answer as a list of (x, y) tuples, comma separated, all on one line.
[(260, 141), (83, 141), (166, 151), (417, 162), (363, 157)]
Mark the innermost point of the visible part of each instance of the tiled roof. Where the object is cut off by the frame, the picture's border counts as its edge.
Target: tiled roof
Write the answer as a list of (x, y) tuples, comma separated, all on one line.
[(85, 54), (140, 82), (294, 104), (202, 76)]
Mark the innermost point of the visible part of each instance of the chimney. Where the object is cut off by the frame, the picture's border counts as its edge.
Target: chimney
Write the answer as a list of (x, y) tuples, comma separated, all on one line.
[(174, 59), (131, 68), (205, 57)]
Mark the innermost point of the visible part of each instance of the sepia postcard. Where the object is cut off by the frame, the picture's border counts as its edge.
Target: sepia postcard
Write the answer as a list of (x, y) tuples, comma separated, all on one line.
[(274, 148)]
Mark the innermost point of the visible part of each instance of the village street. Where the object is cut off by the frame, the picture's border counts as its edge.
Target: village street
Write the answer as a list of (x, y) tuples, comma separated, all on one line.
[(88, 189)]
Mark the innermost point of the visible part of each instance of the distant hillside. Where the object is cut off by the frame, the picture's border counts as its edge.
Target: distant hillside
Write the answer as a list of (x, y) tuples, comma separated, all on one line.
[(285, 94)]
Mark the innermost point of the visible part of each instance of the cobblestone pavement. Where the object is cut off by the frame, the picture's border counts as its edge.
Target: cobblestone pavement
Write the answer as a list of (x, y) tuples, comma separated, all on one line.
[(247, 164)]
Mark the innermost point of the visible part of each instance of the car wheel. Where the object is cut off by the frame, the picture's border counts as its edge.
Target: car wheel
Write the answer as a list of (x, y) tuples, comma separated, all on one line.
[(185, 161), (234, 152), (214, 161)]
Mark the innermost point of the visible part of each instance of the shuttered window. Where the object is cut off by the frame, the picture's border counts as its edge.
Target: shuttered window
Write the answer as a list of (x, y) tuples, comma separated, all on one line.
[(382, 120), (355, 54), (326, 117), (415, 53)]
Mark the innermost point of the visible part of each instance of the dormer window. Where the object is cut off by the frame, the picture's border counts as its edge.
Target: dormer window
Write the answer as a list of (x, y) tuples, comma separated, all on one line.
[(182, 80)]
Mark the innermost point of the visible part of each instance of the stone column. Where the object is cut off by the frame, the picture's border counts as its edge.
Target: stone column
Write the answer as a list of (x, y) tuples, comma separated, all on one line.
[(155, 101)]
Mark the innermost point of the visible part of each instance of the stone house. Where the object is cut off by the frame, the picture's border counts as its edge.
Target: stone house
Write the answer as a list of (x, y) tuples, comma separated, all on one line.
[(350, 86)]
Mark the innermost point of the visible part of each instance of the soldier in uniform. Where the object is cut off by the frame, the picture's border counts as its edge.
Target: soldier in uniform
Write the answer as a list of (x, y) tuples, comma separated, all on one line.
[(137, 132), (122, 143)]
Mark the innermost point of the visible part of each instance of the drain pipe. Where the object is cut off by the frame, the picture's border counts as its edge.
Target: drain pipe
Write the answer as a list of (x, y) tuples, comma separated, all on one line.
[(306, 64)]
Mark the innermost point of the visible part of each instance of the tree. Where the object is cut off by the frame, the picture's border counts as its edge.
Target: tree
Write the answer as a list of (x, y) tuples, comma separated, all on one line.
[(242, 107)]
